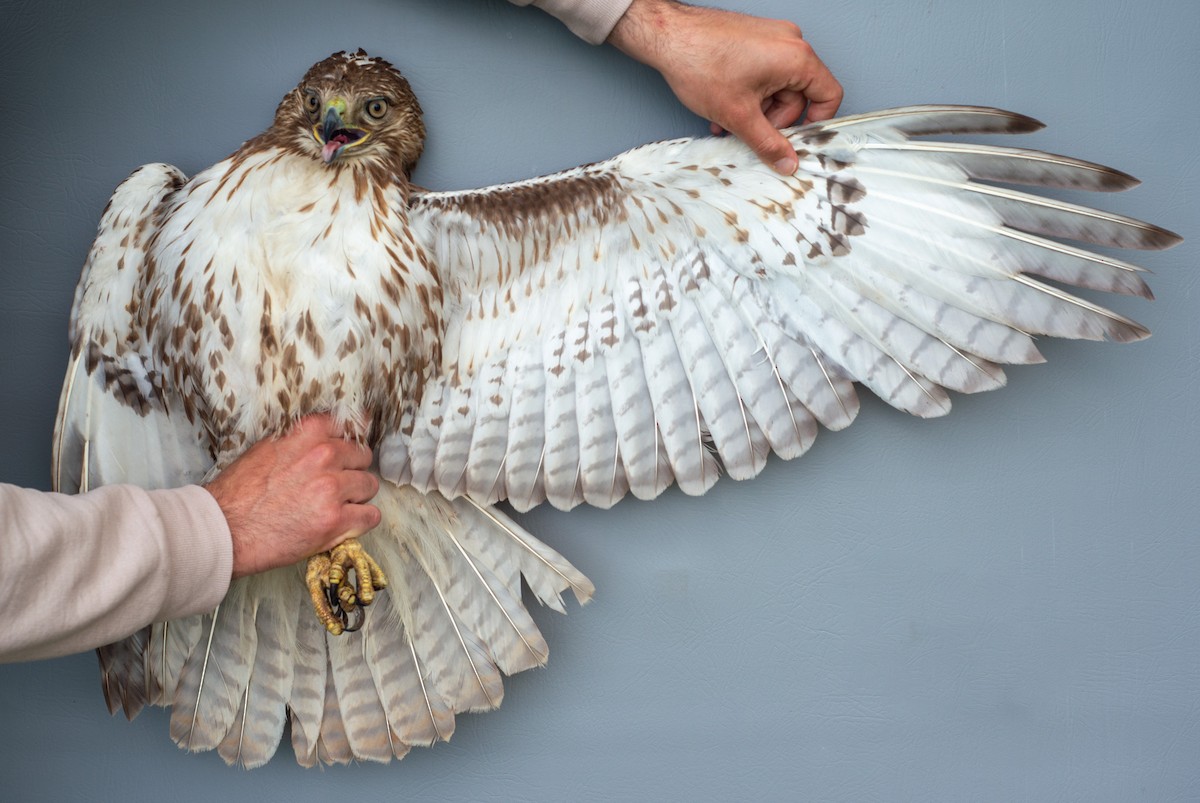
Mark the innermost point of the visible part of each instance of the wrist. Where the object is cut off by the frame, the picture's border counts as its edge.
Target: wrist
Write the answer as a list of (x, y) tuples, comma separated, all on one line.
[(642, 31)]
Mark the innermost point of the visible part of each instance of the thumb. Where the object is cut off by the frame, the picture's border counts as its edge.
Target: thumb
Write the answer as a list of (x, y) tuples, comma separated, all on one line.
[(766, 141)]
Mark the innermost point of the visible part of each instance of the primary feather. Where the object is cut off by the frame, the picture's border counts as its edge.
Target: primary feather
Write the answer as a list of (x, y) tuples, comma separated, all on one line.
[(667, 315)]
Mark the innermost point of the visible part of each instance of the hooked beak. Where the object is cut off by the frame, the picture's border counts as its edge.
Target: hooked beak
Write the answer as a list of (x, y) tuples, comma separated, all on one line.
[(332, 133)]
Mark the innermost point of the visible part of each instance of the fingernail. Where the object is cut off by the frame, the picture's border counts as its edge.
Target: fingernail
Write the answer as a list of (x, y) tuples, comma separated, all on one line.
[(785, 166)]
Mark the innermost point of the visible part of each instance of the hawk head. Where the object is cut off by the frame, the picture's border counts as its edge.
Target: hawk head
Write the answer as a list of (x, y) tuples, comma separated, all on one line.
[(353, 107)]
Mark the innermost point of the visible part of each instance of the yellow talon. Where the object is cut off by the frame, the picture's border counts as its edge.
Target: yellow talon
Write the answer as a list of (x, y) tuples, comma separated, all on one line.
[(333, 598), (316, 577)]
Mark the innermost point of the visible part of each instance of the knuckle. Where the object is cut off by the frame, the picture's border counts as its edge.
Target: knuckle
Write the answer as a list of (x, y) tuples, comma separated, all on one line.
[(324, 487), (324, 454)]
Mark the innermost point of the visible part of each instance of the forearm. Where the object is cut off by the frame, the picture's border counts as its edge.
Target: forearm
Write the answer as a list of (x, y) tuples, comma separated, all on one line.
[(590, 20), (647, 32), (77, 572)]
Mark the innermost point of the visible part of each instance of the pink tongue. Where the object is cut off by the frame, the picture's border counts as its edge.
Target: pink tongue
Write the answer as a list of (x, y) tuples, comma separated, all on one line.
[(330, 148)]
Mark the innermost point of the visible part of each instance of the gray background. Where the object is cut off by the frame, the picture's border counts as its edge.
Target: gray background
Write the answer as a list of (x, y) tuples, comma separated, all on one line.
[(998, 605)]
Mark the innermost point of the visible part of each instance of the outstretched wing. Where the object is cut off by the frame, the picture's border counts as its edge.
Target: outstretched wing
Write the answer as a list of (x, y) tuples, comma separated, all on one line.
[(610, 327), (115, 424)]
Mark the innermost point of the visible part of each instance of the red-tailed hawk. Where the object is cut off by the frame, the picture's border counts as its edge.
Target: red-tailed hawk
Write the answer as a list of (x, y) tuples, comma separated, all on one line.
[(674, 313)]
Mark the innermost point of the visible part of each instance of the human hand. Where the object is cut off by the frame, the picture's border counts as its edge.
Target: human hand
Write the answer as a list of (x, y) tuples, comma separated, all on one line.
[(747, 75), (291, 497)]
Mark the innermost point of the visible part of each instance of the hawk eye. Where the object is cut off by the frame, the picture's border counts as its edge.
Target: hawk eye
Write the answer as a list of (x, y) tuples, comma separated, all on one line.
[(377, 108), (311, 102)]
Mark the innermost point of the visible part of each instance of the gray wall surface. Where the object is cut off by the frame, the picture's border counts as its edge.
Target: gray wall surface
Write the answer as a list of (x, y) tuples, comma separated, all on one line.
[(998, 605)]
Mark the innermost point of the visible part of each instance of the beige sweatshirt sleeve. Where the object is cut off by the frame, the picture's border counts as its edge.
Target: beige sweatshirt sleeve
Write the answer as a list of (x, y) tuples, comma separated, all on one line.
[(78, 572), (590, 20)]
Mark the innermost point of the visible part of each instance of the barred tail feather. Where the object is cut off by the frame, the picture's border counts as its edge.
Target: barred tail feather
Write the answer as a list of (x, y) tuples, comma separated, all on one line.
[(434, 644), (123, 674), (306, 705), (333, 745), (215, 678), (254, 735), (166, 654)]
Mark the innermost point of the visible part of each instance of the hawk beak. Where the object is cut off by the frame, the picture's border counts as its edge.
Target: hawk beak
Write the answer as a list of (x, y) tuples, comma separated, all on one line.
[(333, 134)]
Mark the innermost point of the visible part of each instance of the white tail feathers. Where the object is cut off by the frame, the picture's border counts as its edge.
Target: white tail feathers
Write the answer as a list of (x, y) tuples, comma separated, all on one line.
[(434, 644)]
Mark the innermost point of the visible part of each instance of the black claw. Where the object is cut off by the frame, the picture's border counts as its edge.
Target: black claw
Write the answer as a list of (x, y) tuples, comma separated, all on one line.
[(342, 612)]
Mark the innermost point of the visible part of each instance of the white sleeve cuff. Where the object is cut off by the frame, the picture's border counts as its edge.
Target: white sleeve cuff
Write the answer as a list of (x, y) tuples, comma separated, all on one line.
[(590, 20)]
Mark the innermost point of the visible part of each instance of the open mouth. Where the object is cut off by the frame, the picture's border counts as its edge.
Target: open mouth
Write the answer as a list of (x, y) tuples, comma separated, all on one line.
[(345, 136), (333, 140)]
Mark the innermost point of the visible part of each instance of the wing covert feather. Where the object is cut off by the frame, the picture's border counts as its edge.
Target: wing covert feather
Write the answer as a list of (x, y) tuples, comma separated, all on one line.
[(115, 423)]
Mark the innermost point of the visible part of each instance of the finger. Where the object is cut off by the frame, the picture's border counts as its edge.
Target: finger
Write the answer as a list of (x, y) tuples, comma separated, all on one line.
[(785, 108), (766, 141), (824, 95), (356, 520), (358, 486), (352, 521), (354, 456)]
